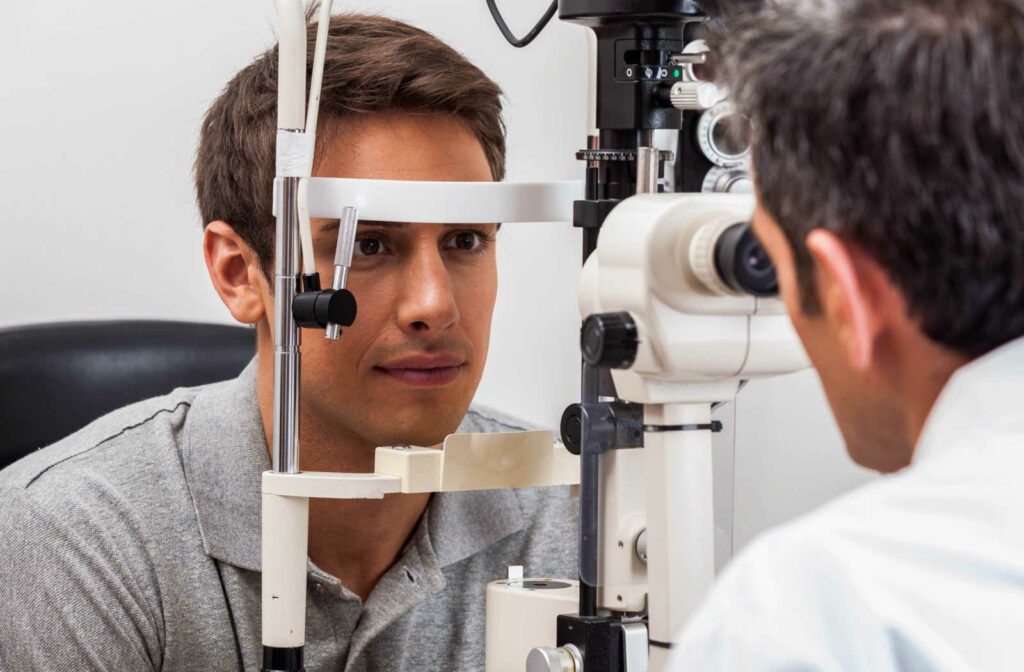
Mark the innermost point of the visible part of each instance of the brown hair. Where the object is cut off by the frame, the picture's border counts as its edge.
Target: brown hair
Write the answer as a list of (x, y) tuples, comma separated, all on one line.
[(372, 64)]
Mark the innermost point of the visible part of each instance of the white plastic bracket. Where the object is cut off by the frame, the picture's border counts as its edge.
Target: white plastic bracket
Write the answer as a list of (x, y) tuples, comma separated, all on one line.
[(482, 462), (467, 462), (329, 485)]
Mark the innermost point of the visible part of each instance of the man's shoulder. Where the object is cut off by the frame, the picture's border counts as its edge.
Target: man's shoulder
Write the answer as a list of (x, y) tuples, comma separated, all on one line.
[(95, 526), (858, 580), (118, 445), (484, 419), (826, 542), (790, 598)]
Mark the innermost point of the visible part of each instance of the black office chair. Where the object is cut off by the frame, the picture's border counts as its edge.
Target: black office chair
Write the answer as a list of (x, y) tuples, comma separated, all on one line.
[(57, 378)]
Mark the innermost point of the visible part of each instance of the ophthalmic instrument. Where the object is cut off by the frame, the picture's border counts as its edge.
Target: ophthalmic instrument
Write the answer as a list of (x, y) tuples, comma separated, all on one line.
[(679, 308)]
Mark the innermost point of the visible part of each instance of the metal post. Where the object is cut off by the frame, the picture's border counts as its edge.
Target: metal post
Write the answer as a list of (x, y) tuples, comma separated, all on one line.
[(285, 448), (647, 159)]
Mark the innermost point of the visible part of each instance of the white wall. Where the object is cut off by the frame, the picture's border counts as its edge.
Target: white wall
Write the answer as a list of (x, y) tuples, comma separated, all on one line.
[(100, 106)]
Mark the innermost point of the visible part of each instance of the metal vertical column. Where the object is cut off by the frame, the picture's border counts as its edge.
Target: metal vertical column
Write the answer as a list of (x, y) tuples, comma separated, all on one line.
[(285, 448)]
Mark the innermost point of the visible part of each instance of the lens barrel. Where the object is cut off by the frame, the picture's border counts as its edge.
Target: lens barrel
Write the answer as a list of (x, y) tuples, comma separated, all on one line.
[(742, 262)]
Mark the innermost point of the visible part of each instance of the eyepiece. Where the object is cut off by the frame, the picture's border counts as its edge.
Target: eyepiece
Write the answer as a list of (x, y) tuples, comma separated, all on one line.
[(742, 262)]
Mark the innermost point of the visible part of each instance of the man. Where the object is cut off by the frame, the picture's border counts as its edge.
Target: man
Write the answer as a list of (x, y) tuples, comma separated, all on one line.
[(134, 544), (889, 158)]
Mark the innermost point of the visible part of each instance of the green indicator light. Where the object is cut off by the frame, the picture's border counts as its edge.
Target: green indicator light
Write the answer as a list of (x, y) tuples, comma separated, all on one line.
[(675, 73)]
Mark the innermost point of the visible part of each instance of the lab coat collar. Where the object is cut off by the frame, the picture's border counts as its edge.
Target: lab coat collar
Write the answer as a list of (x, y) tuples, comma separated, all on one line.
[(981, 400), (224, 454)]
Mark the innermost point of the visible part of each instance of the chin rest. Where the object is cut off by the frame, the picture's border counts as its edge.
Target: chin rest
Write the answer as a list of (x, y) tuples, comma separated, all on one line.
[(56, 378)]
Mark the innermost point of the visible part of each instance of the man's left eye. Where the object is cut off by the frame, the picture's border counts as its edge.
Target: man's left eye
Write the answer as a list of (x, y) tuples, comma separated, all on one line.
[(464, 240)]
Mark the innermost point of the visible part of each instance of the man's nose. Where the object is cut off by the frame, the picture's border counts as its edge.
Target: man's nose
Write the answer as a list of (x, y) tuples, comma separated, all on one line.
[(427, 300)]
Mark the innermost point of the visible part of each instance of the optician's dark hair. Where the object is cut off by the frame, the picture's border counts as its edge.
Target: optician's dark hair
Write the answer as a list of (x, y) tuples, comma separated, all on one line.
[(373, 64), (898, 125)]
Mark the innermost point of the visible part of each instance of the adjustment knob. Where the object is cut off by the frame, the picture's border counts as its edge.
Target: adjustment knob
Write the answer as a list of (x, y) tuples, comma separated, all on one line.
[(572, 428), (549, 659), (695, 95), (735, 180), (609, 340)]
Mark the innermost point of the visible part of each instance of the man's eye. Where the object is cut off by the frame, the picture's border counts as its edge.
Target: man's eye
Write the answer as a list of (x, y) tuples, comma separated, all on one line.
[(368, 246), (465, 240)]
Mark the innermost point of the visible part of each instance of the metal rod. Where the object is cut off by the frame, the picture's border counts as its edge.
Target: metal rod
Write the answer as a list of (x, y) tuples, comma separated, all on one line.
[(285, 447), (647, 160), (699, 58), (343, 258), (590, 469)]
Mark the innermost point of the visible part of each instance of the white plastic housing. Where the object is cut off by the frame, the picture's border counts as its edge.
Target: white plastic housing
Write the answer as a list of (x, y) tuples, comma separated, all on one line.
[(481, 462), (621, 575), (678, 485), (286, 521), (697, 339), (520, 618), (291, 82)]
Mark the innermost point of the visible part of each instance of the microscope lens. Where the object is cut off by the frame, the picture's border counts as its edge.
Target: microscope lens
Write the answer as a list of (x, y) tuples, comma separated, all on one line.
[(758, 260)]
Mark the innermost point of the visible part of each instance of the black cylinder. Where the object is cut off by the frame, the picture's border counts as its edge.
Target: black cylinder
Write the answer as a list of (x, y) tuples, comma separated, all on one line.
[(282, 659), (609, 340), (572, 428), (743, 264)]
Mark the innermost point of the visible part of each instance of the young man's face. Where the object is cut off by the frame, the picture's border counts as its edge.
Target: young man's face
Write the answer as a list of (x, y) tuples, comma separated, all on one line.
[(408, 368)]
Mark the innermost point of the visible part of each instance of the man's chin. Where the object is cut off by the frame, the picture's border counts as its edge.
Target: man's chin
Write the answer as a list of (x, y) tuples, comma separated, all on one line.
[(413, 439), (417, 431)]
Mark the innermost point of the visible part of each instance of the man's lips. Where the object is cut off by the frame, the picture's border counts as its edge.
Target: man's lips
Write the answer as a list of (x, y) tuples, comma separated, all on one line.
[(424, 370)]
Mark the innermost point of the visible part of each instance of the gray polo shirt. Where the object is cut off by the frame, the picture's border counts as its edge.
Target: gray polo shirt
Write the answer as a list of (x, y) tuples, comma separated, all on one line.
[(134, 544)]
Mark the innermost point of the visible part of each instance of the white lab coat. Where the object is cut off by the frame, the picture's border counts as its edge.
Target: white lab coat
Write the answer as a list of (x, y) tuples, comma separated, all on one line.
[(922, 570)]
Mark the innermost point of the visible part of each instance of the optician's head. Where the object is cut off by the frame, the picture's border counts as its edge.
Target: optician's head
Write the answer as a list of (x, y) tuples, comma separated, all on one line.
[(888, 147), (396, 104)]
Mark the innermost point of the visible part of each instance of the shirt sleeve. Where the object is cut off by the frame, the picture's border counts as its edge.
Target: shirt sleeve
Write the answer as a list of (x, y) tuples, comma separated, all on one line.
[(74, 594)]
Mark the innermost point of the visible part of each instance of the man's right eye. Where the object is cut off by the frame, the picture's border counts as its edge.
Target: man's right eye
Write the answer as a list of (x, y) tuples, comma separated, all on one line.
[(368, 246)]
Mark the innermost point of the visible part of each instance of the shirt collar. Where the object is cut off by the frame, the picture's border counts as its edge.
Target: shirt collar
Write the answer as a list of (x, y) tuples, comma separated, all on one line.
[(224, 454), (980, 400)]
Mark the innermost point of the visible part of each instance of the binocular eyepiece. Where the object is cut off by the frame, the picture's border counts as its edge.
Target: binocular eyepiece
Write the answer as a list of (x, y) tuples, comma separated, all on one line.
[(742, 263)]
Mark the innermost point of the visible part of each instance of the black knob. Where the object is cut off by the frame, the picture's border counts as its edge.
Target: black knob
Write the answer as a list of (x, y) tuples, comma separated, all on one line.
[(609, 340), (318, 309), (572, 428), (340, 307)]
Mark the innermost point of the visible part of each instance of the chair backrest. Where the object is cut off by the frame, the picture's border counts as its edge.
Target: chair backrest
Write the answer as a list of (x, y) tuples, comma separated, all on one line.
[(56, 378)]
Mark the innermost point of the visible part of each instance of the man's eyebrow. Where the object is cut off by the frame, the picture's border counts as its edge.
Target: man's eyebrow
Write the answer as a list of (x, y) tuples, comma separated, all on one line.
[(333, 224), (383, 225)]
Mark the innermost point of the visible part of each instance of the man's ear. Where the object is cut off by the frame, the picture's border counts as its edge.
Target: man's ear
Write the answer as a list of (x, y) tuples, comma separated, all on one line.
[(847, 288), (235, 272)]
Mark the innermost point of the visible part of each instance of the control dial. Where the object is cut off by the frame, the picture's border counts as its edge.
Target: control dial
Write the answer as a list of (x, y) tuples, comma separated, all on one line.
[(609, 340), (721, 180), (723, 135), (695, 95)]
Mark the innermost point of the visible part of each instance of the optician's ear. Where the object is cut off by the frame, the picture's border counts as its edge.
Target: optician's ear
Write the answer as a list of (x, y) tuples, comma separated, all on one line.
[(235, 272), (848, 284)]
